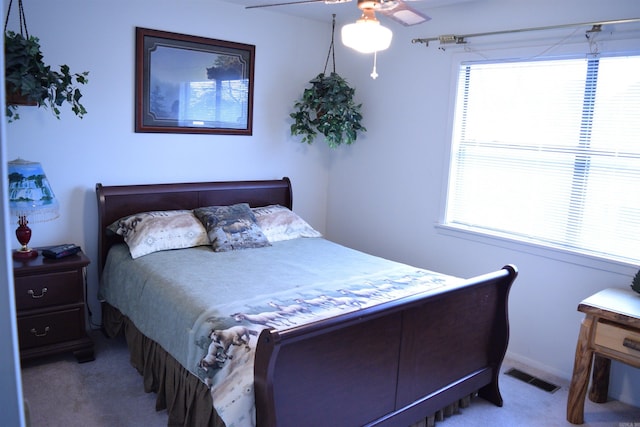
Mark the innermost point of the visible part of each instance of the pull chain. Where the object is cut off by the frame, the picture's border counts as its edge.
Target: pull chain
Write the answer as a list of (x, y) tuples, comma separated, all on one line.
[(374, 73)]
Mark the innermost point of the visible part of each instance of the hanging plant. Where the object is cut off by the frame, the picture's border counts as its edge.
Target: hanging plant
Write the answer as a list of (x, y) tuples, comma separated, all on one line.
[(29, 81), (328, 108)]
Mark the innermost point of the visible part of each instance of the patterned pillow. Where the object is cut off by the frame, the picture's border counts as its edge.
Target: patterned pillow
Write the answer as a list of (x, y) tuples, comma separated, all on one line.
[(149, 232), (231, 227), (279, 223)]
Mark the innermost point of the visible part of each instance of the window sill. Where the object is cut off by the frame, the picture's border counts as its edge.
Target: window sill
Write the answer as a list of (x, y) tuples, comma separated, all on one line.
[(555, 253)]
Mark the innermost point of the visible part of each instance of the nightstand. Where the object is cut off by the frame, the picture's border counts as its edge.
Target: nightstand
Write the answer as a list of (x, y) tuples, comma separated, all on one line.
[(610, 330), (50, 304)]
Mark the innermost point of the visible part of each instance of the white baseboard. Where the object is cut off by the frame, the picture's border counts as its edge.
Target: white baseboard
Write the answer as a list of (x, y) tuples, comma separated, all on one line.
[(545, 369), (624, 389)]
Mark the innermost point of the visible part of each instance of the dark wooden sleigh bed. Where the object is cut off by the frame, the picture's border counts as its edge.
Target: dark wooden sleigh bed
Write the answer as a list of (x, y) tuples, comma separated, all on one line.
[(400, 362)]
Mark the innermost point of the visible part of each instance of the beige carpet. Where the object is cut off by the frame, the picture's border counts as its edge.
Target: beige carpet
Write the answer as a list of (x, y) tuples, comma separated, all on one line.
[(108, 392)]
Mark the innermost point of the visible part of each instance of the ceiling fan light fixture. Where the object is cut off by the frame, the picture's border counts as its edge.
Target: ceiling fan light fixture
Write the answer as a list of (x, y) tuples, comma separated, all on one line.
[(366, 35)]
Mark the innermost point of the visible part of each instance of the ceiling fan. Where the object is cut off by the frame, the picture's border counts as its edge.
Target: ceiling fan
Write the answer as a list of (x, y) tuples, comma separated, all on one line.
[(398, 10)]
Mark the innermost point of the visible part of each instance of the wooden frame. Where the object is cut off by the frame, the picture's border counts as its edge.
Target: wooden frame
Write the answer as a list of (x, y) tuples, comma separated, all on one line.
[(399, 361), (114, 202), (190, 84)]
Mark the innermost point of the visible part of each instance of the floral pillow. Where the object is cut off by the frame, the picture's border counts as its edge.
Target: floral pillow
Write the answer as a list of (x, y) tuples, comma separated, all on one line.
[(279, 223), (231, 227), (149, 232)]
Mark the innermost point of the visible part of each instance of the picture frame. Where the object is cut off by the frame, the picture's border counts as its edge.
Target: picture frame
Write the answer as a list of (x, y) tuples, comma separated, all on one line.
[(192, 84)]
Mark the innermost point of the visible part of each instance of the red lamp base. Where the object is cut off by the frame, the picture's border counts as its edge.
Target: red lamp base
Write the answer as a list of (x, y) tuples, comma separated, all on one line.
[(23, 233), (19, 254)]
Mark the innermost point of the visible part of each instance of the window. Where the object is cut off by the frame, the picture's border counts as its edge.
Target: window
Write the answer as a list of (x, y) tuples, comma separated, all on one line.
[(548, 151)]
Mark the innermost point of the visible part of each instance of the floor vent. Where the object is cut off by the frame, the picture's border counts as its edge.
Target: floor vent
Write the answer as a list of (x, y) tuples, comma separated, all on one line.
[(530, 379)]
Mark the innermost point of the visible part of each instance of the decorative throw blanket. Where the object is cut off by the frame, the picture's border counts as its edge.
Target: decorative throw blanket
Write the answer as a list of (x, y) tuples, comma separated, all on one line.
[(225, 338)]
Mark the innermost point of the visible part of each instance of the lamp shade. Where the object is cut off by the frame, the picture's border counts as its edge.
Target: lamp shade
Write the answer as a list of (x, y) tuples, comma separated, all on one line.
[(30, 193), (366, 36)]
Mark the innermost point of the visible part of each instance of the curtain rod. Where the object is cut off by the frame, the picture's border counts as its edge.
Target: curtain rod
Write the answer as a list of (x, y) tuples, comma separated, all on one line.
[(460, 39)]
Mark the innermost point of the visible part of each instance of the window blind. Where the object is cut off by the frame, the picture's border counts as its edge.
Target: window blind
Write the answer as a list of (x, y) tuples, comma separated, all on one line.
[(548, 151)]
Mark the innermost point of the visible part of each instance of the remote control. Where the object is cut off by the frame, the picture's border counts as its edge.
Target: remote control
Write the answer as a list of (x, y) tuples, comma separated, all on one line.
[(61, 251)]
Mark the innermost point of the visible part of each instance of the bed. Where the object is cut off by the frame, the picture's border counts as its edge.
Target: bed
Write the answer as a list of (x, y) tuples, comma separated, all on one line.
[(388, 362)]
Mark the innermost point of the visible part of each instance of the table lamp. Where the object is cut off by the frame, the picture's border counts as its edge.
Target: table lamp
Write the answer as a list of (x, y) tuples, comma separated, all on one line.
[(30, 195)]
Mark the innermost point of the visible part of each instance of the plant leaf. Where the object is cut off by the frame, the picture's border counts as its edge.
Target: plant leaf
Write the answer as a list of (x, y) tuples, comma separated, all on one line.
[(328, 108)]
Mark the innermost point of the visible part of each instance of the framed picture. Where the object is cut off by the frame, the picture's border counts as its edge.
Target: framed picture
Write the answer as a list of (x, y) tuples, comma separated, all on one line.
[(190, 84)]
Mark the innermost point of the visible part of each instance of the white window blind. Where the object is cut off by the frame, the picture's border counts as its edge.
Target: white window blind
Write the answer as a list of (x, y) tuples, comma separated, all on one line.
[(548, 151)]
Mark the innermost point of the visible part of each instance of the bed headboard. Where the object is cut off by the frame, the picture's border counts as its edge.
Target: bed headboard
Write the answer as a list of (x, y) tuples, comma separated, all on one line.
[(114, 202)]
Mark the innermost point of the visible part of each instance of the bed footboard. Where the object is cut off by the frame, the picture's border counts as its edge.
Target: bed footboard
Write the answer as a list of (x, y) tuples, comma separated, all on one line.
[(387, 365)]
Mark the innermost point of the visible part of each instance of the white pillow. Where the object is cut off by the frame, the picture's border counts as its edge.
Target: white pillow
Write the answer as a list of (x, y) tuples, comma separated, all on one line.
[(279, 223), (149, 232)]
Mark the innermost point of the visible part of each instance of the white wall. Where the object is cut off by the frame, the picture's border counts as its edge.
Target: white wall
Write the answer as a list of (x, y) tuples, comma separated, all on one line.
[(11, 406), (386, 193), (10, 384), (103, 147)]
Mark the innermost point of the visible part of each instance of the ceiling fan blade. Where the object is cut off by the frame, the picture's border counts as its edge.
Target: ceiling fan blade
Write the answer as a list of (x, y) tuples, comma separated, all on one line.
[(297, 2), (403, 14)]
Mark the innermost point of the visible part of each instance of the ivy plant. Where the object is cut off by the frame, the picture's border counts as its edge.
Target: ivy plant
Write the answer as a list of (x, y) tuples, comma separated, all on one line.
[(328, 108), (29, 78)]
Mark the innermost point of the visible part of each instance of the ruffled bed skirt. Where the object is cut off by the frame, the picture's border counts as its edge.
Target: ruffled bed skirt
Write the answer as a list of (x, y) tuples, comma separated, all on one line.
[(186, 399)]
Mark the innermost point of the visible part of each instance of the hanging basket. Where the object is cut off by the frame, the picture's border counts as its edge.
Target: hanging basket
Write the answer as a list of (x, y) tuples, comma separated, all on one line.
[(328, 107), (29, 81), (17, 98)]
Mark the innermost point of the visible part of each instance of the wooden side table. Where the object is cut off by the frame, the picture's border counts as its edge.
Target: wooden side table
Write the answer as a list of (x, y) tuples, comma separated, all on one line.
[(610, 330), (50, 304)]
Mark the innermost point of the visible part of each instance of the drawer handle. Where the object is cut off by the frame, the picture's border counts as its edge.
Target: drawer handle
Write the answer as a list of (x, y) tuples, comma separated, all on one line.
[(44, 334), (633, 345), (34, 296)]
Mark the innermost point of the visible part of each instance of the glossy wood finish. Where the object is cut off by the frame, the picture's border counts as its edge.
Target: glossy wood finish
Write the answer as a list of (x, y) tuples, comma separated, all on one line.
[(50, 303), (114, 202), (388, 365), (609, 330)]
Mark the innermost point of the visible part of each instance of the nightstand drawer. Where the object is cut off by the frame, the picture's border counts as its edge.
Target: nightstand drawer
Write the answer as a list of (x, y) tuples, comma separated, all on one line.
[(50, 328), (618, 338), (43, 290)]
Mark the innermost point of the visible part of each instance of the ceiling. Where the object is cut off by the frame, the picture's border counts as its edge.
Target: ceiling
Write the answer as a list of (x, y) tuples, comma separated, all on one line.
[(320, 11)]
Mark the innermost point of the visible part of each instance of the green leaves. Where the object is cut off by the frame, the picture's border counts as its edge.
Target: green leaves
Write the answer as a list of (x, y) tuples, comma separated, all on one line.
[(635, 284), (26, 74), (328, 108)]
